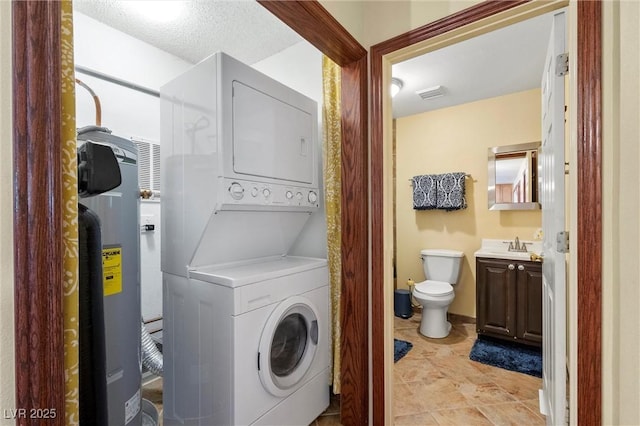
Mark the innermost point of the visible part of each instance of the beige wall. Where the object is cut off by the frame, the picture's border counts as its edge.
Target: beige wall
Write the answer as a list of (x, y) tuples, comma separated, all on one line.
[(6, 218), (621, 233), (456, 139), (372, 22)]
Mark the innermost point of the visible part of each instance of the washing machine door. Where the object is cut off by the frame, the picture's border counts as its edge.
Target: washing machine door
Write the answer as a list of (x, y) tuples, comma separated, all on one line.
[(288, 345)]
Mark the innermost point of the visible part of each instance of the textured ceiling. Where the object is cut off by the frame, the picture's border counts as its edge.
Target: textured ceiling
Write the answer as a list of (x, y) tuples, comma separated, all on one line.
[(242, 28), (504, 61), (497, 63)]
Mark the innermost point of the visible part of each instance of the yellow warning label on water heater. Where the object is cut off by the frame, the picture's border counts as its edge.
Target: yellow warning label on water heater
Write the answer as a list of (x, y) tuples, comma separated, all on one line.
[(112, 270)]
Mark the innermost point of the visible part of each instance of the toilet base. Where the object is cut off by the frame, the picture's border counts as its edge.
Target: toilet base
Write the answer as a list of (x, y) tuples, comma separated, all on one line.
[(434, 323)]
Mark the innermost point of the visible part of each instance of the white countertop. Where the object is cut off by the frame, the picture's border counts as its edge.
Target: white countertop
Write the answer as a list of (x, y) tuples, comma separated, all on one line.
[(499, 249)]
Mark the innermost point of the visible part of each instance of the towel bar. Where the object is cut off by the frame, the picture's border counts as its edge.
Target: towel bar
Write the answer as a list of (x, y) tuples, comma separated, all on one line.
[(411, 180)]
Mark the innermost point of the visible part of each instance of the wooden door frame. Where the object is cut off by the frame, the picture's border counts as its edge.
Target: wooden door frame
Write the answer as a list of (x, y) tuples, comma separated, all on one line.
[(316, 25), (38, 262), (38, 209), (588, 242)]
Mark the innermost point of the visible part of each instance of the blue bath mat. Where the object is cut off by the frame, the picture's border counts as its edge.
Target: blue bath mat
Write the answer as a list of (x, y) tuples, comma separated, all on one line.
[(400, 349), (509, 356)]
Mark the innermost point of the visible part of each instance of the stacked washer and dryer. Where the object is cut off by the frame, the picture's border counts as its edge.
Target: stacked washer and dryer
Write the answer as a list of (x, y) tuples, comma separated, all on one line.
[(246, 325)]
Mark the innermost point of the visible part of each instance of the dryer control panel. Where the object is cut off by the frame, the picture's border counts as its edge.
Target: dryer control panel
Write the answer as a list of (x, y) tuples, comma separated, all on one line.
[(243, 194)]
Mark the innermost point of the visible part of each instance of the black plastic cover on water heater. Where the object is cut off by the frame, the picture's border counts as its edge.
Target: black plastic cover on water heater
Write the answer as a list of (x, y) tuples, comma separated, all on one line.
[(92, 369), (98, 169)]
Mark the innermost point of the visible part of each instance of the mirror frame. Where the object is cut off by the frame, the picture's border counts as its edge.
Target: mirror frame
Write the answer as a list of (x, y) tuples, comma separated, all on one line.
[(491, 178)]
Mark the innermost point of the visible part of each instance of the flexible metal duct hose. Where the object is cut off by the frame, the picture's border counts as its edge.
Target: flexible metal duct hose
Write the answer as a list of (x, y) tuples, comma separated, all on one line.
[(151, 355)]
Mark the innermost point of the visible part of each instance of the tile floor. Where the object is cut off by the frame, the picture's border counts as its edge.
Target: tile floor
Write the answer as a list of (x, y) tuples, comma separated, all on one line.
[(437, 384)]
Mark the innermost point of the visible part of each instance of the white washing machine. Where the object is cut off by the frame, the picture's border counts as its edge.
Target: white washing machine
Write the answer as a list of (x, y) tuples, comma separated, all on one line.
[(249, 343), (246, 327)]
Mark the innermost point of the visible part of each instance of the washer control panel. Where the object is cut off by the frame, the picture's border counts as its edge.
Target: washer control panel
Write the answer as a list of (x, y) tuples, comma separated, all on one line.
[(235, 192)]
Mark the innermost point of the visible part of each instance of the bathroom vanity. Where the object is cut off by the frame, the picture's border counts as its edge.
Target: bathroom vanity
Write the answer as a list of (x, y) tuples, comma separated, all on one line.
[(509, 299), (509, 290)]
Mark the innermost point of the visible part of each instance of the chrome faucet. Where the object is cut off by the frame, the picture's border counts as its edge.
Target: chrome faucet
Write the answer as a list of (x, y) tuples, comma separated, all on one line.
[(515, 246)]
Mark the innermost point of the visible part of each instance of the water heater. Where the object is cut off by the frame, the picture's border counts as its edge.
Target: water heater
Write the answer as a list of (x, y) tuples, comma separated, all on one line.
[(118, 213)]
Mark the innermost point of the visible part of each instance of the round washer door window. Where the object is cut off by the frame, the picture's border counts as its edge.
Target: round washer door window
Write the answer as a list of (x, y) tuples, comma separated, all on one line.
[(288, 345)]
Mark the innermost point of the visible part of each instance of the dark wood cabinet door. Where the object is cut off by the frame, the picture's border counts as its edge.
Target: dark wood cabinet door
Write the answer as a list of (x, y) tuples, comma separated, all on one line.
[(529, 283), (496, 297), (509, 300)]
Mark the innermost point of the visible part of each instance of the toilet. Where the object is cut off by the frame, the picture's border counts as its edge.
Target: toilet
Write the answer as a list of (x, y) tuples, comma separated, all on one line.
[(442, 271)]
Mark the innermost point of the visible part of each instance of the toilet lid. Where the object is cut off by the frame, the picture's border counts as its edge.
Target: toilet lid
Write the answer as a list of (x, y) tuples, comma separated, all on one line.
[(434, 288)]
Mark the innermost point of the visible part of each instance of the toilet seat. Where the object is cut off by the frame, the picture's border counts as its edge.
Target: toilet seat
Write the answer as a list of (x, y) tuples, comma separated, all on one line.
[(434, 288)]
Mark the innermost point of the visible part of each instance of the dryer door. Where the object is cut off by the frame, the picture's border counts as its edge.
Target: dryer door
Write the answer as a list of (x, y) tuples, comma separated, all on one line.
[(288, 345)]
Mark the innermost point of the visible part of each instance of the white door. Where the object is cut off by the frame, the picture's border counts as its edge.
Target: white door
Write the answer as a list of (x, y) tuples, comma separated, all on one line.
[(552, 197), (271, 138)]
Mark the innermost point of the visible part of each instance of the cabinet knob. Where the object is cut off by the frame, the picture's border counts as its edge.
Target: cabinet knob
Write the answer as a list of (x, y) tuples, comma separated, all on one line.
[(511, 267), (520, 267)]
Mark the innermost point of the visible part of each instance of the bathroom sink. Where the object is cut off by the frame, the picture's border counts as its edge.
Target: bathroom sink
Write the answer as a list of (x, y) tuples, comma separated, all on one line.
[(498, 249), (510, 255)]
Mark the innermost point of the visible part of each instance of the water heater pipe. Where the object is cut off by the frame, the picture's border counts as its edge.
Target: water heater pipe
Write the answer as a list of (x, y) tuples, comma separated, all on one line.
[(96, 101)]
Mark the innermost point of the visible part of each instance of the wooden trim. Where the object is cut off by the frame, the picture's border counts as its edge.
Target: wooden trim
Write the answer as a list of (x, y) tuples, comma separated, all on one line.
[(457, 318), (590, 201), (589, 238), (315, 24), (37, 193), (354, 247), (377, 241), (448, 23)]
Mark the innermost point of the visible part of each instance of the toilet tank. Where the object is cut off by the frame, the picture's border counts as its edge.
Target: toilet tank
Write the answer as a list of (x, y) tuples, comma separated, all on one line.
[(442, 265)]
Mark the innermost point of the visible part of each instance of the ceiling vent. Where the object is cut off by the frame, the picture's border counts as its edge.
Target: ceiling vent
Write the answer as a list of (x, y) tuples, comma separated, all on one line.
[(431, 92)]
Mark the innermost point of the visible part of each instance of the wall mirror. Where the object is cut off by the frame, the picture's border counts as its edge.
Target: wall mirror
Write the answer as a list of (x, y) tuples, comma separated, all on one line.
[(513, 177)]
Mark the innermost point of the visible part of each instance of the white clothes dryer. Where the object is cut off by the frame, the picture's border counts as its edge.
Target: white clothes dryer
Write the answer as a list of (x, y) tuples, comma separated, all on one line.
[(249, 343)]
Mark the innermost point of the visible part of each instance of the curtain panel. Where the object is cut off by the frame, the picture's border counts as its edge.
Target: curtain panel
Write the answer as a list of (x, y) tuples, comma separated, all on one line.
[(70, 218), (331, 123)]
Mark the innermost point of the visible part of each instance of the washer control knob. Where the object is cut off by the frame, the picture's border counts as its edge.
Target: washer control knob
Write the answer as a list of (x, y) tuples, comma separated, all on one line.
[(299, 195), (236, 190), (313, 197), (266, 192), (254, 191), (289, 195)]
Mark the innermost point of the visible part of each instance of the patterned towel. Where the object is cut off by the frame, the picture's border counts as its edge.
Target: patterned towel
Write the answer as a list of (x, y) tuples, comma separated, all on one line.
[(424, 192), (450, 191)]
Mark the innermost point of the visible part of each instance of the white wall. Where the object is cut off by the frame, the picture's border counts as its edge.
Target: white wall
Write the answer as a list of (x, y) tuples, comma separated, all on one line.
[(150, 272), (7, 399), (126, 112)]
